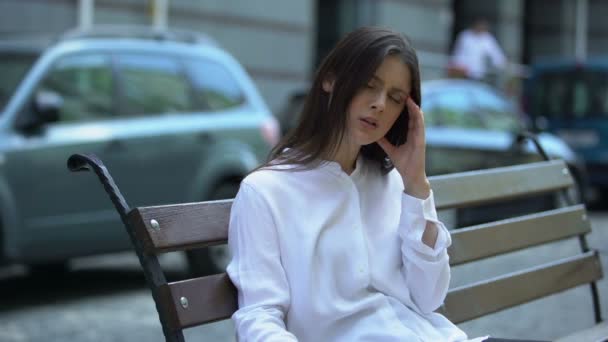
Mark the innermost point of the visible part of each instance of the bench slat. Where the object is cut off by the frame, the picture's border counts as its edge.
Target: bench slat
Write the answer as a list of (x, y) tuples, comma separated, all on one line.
[(182, 226), (597, 333), (484, 186), (475, 300), (494, 238), (210, 299), (179, 224)]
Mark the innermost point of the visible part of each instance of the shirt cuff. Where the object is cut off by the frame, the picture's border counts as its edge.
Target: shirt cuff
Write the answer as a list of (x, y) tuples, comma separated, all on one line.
[(415, 213), (416, 206)]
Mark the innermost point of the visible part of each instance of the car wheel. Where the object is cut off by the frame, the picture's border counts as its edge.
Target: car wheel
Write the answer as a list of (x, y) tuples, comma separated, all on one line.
[(214, 259)]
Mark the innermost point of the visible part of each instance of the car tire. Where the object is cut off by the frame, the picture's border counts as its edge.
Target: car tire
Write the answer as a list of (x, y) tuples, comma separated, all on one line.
[(214, 259)]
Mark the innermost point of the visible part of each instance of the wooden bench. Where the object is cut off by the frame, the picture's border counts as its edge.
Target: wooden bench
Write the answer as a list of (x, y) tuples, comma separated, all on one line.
[(179, 227)]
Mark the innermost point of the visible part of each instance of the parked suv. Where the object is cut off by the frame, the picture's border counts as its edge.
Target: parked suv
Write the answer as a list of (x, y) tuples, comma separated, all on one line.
[(173, 116)]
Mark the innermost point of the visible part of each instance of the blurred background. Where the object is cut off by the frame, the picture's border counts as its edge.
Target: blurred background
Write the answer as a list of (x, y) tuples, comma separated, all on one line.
[(182, 98), (281, 42)]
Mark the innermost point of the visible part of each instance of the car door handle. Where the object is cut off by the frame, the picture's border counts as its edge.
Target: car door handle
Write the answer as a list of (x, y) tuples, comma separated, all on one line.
[(114, 146)]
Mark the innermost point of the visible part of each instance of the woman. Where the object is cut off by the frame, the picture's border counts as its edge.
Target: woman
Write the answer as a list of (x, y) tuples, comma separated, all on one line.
[(337, 237)]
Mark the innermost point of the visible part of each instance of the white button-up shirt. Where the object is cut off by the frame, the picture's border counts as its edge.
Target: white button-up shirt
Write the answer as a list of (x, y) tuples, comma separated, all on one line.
[(320, 255), (473, 49)]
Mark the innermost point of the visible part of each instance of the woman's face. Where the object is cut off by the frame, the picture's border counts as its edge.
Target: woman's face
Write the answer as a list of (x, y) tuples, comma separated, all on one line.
[(376, 107)]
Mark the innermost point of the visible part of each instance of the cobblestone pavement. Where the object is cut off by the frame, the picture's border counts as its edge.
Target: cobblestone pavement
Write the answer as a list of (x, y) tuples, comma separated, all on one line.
[(104, 299)]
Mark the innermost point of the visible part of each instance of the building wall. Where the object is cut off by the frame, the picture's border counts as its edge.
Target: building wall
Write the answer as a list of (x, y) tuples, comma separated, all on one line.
[(509, 27), (551, 28), (427, 23), (18, 17), (597, 43)]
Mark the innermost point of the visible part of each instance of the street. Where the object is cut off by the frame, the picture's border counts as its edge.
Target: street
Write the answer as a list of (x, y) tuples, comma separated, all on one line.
[(104, 299)]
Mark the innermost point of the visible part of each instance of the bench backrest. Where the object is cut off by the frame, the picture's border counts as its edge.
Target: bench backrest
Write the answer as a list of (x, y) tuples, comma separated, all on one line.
[(206, 299)]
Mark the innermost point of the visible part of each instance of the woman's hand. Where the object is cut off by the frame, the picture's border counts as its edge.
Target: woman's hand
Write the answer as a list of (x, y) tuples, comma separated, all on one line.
[(409, 158)]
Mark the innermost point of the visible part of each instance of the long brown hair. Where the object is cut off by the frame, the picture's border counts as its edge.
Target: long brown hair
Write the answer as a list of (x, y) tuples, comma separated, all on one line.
[(322, 122)]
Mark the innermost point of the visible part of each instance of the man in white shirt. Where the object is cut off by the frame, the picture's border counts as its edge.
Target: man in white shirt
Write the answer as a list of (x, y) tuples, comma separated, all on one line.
[(473, 48)]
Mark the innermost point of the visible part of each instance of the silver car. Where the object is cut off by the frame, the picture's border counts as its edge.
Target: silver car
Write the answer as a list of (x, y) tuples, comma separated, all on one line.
[(174, 117)]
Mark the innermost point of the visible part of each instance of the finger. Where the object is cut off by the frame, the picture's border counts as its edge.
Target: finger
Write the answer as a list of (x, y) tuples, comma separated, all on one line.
[(387, 146), (416, 114), (412, 106), (412, 120)]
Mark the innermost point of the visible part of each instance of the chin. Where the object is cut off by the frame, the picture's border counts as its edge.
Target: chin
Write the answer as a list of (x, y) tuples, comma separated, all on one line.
[(367, 141)]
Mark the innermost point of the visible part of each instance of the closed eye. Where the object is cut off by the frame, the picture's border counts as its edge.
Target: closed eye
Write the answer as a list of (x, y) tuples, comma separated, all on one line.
[(397, 100)]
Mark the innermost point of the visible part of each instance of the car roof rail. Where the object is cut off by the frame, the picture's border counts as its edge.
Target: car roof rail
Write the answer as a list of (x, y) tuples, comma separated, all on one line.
[(139, 32)]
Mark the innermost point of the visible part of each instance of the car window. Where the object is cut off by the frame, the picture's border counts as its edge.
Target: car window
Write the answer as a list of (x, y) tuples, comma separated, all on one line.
[(152, 85), (214, 87), (451, 107), (590, 94), (570, 94), (497, 113), (84, 82), (431, 113), (13, 67)]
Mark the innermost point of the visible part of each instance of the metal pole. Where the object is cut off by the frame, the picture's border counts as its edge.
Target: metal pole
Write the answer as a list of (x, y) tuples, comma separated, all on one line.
[(85, 14), (160, 14), (582, 19)]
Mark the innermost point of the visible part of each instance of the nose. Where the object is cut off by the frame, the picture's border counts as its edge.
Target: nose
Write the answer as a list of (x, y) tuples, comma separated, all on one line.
[(379, 102)]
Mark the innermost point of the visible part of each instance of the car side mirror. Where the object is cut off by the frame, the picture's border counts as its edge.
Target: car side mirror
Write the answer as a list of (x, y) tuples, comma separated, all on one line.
[(47, 105)]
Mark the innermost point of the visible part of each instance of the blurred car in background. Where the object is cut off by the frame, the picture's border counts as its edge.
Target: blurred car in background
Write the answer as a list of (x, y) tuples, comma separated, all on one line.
[(570, 99), (173, 116), (471, 126)]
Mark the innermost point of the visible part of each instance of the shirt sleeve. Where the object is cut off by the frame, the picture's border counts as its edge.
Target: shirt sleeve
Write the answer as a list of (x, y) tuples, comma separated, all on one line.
[(427, 270), (256, 270), (496, 54), (458, 47)]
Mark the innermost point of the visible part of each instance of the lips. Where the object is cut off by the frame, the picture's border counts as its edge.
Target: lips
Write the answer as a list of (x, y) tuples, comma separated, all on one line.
[(369, 121)]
